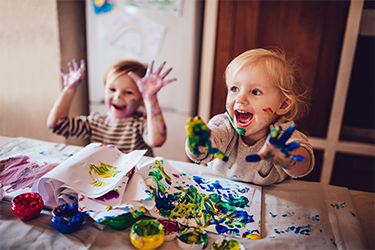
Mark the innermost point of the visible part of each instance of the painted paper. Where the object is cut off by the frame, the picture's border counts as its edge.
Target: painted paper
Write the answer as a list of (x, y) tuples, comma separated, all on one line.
[(219, 205), (140, 36), (98, 178), (19, 172)]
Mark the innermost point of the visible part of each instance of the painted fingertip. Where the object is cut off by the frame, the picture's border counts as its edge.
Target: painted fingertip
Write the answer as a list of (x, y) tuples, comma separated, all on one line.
[(253, 158), (292, 146), (225, 158), (298, 158)]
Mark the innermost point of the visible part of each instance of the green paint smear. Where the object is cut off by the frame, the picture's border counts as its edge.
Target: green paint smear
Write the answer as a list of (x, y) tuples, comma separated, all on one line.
[(146, 228), (194, 237), (226, 245), (239, 131)]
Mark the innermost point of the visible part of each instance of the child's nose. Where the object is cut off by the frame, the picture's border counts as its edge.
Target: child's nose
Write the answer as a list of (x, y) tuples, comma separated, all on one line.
[(241, 99)]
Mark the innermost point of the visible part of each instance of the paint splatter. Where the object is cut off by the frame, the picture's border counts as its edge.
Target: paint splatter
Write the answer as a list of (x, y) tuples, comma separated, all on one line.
[(269, 113), (239, 131), (342, 206), (20, 173), (104, 171), (219, 210), (303, 230)]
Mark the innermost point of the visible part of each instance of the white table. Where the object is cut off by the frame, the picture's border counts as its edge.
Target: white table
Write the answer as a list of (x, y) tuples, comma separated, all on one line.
[(295, 214)]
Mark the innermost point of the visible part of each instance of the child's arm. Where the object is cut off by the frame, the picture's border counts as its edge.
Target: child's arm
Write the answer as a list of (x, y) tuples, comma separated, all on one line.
[(199, 141), (149, 86), (294, 159), (71, 81)]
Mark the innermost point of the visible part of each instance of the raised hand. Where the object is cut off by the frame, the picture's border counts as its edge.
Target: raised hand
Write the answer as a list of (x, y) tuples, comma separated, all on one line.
[(277, 151), (75, 75), (151, 83), (198, 139)]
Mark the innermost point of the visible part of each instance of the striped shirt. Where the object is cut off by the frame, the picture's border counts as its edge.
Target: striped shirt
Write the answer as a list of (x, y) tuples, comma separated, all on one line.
[(126, 133)]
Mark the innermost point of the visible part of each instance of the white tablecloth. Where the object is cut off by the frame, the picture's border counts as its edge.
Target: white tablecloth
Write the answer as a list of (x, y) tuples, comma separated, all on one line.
[(295, 215)]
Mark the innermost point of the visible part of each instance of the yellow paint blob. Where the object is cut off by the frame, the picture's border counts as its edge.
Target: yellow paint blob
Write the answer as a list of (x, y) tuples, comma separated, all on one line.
[(147, 234)]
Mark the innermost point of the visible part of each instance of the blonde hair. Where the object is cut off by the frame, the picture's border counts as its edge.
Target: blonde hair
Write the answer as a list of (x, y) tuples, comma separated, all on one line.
[(123, 67), (282, 72)]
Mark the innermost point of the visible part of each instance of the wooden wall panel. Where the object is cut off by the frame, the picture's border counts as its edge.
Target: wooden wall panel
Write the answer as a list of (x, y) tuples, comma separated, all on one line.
[(310, 30)]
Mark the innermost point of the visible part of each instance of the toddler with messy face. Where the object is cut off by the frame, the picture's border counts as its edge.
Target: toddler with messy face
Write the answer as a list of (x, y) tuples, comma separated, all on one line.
[(257, 131)]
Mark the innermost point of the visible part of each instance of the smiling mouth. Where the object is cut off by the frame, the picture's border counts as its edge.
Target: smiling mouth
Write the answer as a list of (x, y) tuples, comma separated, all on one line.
[(243, 118), (120, 108)]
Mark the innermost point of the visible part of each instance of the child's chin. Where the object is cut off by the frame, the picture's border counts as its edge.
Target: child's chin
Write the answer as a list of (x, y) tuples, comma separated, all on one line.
[(118, 114)]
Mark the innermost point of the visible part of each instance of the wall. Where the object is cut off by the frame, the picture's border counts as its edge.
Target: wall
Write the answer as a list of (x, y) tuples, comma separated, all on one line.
[(30, 61)]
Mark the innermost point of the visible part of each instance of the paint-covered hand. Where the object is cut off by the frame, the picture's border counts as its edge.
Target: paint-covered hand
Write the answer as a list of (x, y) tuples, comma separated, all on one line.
[(198, 139), (151, 83), (277, 151), (75, 75)]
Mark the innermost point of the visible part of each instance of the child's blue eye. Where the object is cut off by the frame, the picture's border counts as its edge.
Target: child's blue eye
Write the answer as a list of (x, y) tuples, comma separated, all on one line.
[(234, 89), (256, 92), (129, 92), (112, 89)]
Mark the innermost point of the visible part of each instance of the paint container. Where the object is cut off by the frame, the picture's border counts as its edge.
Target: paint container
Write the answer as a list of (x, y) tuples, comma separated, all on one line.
[(147, 234), (224, 244), (120, 222), (66, 218), (192, 239), (170, 229), (27, 206)]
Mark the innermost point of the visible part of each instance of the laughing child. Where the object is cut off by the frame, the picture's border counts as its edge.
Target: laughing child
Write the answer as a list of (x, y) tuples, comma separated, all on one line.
[(134, 121), (255, 140)]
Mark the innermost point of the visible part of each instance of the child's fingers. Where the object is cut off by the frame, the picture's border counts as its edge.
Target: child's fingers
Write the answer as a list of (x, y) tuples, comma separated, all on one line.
[(274, 134), (82, 67), (149, 68), (62, 73), (298, 158), (292, 146), (285, 136), (70, 66), (135, 77), (168, 81), (166, 73), (75, 65), (160, 68)]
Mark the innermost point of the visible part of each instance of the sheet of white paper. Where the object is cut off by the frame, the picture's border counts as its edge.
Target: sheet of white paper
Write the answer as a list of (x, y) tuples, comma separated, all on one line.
[(139, 36)]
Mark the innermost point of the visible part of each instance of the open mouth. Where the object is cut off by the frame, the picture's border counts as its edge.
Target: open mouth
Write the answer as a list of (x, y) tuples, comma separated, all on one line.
[(120, 108), (243, 118)]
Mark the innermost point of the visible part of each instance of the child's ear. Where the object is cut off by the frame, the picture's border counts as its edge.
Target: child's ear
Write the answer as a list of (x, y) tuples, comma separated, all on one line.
[(285, 106)]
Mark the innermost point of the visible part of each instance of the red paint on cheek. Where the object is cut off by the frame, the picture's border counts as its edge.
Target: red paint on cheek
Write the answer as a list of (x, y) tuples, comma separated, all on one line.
[(269, 111)]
